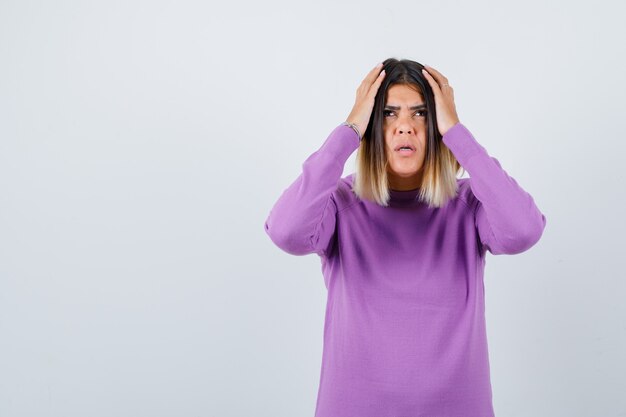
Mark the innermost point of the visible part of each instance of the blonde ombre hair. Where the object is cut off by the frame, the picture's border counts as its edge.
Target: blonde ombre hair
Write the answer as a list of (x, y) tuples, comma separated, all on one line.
[(440, 169)]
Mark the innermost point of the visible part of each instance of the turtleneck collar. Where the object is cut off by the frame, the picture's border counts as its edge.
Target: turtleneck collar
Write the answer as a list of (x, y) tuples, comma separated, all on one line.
[(404, 197)]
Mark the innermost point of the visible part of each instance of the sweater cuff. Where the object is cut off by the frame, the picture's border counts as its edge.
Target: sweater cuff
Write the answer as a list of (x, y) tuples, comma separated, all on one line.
[(341, 142), (462, 144)]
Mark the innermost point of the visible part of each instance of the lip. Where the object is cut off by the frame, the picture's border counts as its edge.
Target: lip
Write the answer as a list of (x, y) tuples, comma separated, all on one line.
[(405, 144), (406, 152)]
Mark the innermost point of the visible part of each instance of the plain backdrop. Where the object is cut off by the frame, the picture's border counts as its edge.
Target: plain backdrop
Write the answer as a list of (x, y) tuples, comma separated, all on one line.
[(143, 144)]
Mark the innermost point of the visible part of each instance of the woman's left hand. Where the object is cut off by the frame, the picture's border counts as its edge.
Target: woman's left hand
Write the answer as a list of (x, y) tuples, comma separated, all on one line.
[(444, 99)]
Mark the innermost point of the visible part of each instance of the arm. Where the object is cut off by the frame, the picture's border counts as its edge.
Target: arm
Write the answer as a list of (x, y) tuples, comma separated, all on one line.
[(302, 221), (507, 219)]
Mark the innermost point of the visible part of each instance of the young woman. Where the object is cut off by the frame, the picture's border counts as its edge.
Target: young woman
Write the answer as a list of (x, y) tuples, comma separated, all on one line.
[(403, 243)]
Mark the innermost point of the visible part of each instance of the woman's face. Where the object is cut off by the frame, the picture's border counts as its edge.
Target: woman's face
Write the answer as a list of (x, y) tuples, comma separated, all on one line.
[(404, 123)]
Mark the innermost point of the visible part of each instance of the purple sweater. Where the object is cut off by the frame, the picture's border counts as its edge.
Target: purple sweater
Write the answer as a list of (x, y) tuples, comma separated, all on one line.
[(404, 332)]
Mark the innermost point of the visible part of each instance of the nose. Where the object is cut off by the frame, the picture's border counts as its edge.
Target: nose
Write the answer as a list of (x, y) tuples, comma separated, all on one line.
[(404, 127)]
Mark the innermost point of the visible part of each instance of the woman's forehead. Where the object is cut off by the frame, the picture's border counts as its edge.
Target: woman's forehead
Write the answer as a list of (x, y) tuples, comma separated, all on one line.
[(403, 90), (402, 93)]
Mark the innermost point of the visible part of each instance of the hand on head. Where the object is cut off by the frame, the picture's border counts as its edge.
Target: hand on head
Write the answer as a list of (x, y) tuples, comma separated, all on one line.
[(444, 99), (365, 95)]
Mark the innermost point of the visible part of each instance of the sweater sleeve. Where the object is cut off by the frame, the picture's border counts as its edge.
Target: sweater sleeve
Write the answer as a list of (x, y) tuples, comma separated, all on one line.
[(506, 217), (302, 221)]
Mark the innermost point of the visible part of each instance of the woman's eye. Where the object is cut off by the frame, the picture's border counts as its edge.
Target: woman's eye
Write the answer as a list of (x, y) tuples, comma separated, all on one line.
[(418, 113)]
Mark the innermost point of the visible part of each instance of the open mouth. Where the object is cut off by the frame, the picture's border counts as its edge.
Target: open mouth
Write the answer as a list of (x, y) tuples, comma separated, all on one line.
[(405, 149)]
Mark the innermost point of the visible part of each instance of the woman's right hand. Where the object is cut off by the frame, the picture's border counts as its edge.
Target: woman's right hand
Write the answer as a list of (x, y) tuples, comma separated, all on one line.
[(365, 95)]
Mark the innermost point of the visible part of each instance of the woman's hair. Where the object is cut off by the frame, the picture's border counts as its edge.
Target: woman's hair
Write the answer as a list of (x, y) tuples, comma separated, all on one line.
[(440, 167)]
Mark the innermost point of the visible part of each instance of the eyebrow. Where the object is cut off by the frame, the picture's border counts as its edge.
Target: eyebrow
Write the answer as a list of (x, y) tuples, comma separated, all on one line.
[(416, 107)]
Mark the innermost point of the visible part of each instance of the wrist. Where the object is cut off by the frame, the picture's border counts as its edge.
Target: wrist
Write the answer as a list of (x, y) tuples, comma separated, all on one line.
[(355, 128)]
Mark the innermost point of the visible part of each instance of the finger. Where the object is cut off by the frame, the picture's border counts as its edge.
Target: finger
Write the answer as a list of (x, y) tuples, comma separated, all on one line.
[(372, 75), (441, 80), (432, 82), (374, 88), (436, 74)]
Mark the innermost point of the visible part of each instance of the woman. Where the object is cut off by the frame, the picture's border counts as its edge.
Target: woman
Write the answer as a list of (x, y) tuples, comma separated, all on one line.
[(403, 244)]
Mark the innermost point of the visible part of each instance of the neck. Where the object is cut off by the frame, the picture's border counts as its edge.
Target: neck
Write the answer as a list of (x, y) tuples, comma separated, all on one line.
[(398, 183)]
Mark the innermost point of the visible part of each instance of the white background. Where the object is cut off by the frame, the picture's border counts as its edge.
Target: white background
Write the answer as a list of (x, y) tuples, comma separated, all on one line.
[(143, 143)]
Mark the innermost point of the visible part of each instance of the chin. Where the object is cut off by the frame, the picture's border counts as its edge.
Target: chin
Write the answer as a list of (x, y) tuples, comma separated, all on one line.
[(406, 172)]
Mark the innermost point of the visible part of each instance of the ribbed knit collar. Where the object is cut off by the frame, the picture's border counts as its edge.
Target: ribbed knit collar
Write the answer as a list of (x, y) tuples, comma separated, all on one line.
[(404, 195), (408, 197)]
